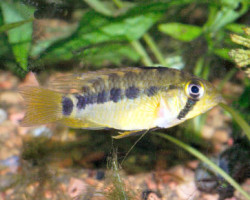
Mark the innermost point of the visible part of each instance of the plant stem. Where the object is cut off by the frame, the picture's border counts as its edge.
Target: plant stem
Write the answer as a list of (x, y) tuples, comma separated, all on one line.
[(118, 178), (10, 26), (154, 48), (204, 159), (136, 43), (118, 3), (227, 77), (141, 51), (236, 116)]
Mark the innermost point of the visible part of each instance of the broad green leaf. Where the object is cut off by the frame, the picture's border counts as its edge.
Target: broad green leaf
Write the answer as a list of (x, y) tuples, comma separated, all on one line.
[(181, 32), (53, 34), (95, 29), (21, 36), (113, 53)]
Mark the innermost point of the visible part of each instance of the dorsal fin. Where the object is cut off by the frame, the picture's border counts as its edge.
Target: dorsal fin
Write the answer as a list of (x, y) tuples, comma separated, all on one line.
[(74, 83)]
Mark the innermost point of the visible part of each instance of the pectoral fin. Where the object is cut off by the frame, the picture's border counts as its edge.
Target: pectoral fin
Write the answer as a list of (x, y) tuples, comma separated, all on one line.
[(128, 133)]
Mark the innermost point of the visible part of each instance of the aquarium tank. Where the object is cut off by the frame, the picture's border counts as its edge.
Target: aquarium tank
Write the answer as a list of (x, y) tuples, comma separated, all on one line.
[(124, 99)]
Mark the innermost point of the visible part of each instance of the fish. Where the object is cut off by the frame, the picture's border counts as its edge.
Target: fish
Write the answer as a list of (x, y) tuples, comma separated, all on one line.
[(131, 99)]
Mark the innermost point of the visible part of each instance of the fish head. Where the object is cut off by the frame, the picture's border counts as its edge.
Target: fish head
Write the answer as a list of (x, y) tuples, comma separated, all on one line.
[(188, 98), (198, 96)]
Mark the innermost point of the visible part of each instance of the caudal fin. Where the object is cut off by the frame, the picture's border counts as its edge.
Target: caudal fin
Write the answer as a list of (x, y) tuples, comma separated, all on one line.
[(42, 106)]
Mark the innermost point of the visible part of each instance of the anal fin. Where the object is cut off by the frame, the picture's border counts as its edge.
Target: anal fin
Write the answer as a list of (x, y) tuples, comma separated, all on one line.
[(78, 123)]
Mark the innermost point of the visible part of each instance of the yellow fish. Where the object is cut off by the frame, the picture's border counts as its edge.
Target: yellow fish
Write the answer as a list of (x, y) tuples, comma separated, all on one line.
[(127, 99)]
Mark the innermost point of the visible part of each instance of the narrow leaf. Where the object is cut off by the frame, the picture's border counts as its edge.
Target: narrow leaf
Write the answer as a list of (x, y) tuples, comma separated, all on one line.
[(204, 159), (8, 27), (223, 53), (221, 15), (236, 116), (100, 7), (21, 36), (181, 32)]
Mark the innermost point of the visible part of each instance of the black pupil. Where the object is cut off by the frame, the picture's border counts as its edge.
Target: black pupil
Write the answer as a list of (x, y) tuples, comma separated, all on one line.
[(194, 89)]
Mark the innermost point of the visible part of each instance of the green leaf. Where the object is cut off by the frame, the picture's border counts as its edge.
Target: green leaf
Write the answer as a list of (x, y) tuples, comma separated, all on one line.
[(101, 7), (224, 13), (95, 29), (54, 34), (236, 28), (3, 41), (181, 32), (113, 53), (223, 53), (21, 36)]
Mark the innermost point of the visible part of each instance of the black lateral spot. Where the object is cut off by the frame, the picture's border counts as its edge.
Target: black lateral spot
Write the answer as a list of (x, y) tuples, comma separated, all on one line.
[(81, 101), (115, 94), (91, 99), (151, 91), (132, 92), (102, 97), (67, 106)]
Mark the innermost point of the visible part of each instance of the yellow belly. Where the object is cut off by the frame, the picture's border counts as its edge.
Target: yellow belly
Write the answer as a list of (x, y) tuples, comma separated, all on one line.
[(137, 114)]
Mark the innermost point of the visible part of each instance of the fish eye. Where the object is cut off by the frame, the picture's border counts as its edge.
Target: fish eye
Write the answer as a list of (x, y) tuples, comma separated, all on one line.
[(194, 89)]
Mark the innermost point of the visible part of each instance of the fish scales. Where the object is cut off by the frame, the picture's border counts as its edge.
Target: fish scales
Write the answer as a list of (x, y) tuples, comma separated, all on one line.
[(140, 79), (123, 91), (128, 83), (126, 99)]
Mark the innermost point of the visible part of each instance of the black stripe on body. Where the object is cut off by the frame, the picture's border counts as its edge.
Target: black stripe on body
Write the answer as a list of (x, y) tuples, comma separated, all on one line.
[(132, 92), (151, 91), (81, 101), (189, 106), (67, 106), (115, 94), (102, 97)]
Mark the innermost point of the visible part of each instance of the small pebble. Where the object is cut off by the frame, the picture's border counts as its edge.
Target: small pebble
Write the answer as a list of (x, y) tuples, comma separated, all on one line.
[(150, 195), (3, 116), (100, 175), (42, 130), (76, 187)]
